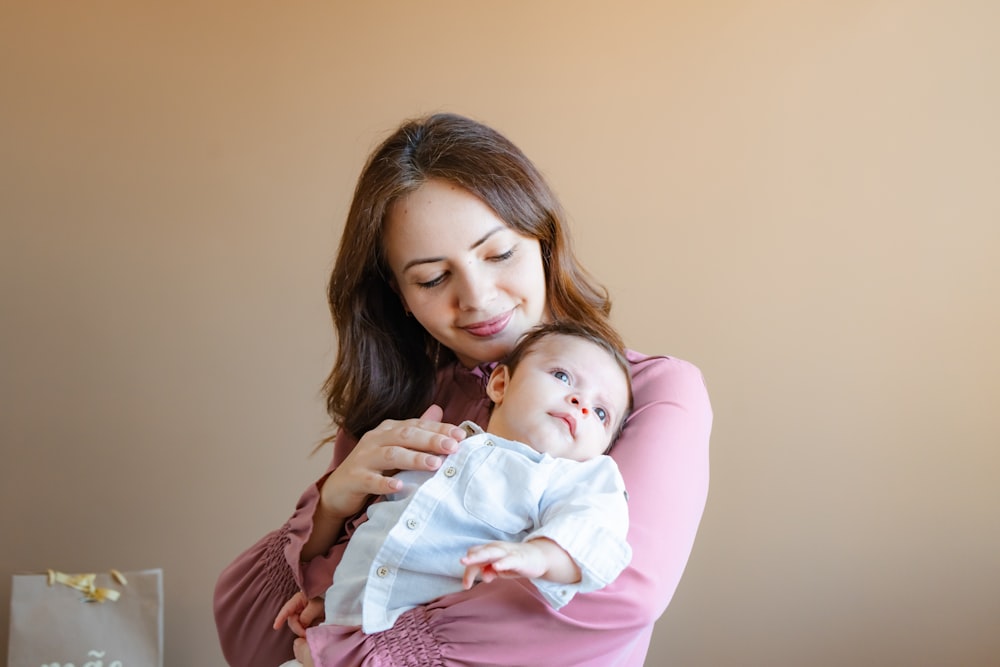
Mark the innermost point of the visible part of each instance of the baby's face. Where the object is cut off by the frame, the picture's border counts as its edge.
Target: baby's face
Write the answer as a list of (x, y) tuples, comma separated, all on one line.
[(566, 398)]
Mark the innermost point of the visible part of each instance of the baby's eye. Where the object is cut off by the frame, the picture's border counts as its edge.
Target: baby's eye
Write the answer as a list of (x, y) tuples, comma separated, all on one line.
[(601, 413), (562, 376)]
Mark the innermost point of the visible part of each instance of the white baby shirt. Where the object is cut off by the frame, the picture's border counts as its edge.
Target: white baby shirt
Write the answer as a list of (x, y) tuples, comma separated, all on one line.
[(407, 552)]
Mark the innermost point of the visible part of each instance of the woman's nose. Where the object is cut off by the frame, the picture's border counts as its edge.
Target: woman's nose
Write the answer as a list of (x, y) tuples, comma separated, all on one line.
[(475, 290)]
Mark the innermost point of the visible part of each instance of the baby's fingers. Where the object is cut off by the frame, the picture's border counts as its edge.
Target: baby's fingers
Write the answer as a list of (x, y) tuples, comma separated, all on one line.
[(469, 577), (484, 553), (485, 573)]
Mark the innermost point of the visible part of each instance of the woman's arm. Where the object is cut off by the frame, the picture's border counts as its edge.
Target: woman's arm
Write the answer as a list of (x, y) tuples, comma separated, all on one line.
[(255, 586), (302, 554), (663, 457)]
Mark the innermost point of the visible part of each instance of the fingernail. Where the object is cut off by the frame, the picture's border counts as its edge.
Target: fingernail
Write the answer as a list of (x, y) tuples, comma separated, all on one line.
[(433, 461)]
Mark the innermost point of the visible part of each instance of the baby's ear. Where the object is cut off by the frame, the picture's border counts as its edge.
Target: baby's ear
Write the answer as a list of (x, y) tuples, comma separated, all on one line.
[(497, 384)]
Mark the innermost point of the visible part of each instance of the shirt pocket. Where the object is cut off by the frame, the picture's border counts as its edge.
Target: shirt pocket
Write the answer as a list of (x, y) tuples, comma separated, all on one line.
[(500, 493)]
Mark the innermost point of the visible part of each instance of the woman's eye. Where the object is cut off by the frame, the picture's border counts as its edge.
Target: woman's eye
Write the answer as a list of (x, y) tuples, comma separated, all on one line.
[(434, 282), (502, 257), (562, 376), (601, 413)]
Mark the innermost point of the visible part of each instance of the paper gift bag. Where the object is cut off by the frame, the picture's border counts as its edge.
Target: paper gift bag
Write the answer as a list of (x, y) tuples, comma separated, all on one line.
[(103, 620)]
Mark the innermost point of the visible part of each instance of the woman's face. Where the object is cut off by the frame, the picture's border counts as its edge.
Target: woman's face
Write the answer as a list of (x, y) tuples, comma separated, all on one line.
[(473, 282)]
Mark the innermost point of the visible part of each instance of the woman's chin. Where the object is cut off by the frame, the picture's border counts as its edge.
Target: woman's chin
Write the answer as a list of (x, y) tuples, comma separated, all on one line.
[(488, 350)]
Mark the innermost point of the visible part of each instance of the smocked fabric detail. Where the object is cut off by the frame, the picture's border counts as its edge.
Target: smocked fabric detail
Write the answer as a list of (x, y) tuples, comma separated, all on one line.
[(409, 643), (277, 577)]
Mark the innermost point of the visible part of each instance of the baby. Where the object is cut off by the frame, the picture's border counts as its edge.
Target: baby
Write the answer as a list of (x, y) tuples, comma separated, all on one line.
[(534, 496)]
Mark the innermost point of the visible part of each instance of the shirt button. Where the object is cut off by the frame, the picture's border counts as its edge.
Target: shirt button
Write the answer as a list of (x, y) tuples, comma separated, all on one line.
[(382, 571), (412, 524), (450, 471), (490, 443)]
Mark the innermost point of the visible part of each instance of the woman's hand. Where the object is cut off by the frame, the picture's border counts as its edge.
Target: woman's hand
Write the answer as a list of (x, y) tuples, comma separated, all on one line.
[(302, 653), (410, 444), (300, 613)]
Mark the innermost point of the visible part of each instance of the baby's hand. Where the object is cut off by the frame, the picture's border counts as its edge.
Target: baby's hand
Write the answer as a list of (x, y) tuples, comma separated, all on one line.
[(299, 613), (503, 559)]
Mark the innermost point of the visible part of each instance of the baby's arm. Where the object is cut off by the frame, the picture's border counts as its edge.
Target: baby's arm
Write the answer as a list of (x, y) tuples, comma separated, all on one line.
[(538, 558)]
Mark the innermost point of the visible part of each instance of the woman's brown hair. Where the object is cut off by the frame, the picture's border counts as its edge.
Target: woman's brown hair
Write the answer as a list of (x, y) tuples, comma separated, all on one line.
[(386, 361)]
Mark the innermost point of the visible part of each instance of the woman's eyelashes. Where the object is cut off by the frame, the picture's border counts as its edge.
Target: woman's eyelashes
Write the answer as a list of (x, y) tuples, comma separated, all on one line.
[(433, 282), (437, 280), (504, 256)]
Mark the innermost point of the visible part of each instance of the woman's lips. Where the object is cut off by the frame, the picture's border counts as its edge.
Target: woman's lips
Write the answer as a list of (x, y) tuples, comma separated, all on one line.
[(489, 327)]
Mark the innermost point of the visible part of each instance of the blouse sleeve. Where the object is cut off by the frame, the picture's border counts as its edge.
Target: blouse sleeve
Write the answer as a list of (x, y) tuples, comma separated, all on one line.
[(663, 457), (251, 590)]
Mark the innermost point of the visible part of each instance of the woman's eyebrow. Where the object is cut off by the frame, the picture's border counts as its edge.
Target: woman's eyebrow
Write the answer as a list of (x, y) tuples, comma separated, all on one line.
[(426, 260), (431, 260), (486, 236)]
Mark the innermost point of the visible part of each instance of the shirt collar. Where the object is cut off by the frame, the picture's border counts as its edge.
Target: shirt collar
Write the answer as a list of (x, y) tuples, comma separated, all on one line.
[(472, 428)]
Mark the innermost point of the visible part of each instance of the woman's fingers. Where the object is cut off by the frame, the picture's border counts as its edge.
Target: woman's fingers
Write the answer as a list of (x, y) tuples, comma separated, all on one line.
[(411, 444), (301, 650), (289, 609), (433, 413), (415, 435)]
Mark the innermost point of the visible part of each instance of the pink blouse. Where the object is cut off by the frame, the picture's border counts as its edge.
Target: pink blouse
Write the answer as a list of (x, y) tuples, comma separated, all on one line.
[(663, 457)]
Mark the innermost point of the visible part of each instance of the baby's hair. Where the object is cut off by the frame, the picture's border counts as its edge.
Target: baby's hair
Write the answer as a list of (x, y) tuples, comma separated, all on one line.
[(578, 330)]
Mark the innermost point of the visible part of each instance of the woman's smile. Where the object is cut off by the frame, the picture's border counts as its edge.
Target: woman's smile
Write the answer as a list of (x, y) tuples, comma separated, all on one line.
[(490, 327)]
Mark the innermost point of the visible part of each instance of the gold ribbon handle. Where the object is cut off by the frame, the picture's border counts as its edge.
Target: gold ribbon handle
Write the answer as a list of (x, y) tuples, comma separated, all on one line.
[(85, 583)]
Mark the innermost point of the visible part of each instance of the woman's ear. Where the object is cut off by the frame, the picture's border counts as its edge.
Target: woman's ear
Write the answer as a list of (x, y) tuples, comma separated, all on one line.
[(497, 384)]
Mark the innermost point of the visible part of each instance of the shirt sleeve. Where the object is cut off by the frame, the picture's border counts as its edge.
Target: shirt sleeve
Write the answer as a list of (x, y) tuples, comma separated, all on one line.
[(584, 511), (251, 590)]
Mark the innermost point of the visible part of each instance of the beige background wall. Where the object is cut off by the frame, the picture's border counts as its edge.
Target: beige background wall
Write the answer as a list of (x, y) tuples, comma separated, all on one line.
[(800, 197)]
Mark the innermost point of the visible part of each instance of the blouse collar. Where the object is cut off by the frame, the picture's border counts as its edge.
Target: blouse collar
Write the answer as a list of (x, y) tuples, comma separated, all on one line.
[(473, 380)]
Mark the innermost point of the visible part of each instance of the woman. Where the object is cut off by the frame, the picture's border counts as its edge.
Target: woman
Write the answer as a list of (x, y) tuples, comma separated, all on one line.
[(454, 246)]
